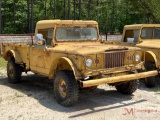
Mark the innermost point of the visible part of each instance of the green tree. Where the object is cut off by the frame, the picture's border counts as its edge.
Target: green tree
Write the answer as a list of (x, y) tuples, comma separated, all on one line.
[(20, 16)]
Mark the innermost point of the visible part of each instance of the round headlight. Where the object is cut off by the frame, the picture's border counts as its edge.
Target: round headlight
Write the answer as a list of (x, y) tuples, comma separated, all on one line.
[(88, 62), (137, 57)]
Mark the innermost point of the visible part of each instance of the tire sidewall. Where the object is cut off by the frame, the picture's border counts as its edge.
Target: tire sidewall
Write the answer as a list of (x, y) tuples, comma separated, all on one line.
[(16, 78), (150, 81), (128, 87), (72, 88), (56, 91)]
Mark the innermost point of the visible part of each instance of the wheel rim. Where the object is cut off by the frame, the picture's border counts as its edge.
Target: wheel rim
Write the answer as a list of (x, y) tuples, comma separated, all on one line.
[(62, 88), (10, 71)]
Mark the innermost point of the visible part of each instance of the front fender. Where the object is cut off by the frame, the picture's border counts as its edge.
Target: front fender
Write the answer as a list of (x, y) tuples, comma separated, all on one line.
[(15, 54), (54, 67), (150, 56)]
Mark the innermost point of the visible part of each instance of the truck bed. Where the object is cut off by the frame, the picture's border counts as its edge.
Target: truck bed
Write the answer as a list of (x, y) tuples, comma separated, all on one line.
[(16, 39)]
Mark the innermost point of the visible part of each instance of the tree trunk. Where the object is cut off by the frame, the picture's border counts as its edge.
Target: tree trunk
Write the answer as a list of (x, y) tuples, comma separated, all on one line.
[(54, 9), (45, 10), (28, 16), (80, 2), (112, 19), (50, 5), (89, 8), (64, 9), (14, 12), (74, 4), (97, 10), (68, 9), (32, 16)]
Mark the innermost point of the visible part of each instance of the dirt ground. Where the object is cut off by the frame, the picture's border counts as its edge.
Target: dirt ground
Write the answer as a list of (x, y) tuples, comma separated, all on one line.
[(33, 99)]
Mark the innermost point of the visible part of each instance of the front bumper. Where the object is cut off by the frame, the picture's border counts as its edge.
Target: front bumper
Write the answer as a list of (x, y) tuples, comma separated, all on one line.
[(115, 79)]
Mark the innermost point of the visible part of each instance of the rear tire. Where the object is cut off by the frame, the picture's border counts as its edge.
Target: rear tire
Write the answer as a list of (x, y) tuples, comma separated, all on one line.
[(65, 88), (14, 72), (128, 87), (150, 81)]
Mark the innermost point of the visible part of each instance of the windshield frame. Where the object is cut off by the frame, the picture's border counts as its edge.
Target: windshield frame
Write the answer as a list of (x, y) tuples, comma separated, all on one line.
[(76, 26), (131, 36)]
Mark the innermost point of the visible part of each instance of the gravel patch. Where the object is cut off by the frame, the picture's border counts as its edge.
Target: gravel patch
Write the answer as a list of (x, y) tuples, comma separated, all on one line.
[(33, 99)]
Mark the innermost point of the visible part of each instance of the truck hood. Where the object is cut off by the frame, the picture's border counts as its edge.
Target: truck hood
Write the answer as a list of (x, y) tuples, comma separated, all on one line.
[(83, 48), (149, 44)]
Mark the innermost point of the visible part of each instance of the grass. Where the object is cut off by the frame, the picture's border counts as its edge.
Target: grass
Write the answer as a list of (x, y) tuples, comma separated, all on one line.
[(18, 94), (157, 89), (3, 63)]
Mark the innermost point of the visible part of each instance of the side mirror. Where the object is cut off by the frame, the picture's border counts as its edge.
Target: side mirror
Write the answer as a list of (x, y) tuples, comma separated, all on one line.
[(39, 39), (102, 38), (39, 36)]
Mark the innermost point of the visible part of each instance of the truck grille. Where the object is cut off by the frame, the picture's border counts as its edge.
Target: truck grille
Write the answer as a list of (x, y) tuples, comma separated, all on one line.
[(114, 59)]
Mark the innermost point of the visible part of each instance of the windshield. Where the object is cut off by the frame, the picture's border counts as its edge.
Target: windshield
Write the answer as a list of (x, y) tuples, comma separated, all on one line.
[(131, 36), (150, 33), (76, 33)]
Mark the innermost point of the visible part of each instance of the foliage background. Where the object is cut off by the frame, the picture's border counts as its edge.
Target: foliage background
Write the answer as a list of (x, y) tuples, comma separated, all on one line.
[(20, 16)]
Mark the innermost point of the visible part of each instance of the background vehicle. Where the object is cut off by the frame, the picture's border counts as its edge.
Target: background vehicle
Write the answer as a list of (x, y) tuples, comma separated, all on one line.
[(147, 37)]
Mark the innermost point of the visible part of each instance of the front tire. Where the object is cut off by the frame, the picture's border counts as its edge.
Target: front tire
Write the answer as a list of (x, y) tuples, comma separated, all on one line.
[(150, 81), (65, 88), (128, 87), (13, 72)]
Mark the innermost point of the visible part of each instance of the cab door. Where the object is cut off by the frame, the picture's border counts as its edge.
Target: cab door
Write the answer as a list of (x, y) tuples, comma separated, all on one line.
[(39, 57)]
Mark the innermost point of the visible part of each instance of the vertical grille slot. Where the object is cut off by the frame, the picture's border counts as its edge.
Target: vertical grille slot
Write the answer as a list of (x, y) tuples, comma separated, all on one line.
[(115, 59)]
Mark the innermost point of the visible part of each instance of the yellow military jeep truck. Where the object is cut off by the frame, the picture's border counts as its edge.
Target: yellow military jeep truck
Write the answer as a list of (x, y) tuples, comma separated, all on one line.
[(147, 37), (72, 54)]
